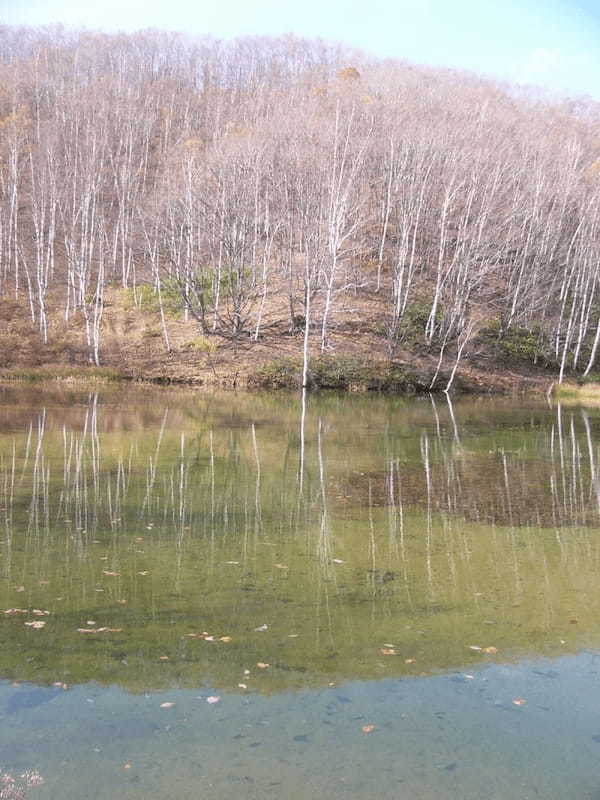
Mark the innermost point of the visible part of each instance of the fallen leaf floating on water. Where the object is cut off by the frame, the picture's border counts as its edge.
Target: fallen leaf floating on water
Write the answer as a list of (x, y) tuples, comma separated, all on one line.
[(17, 611), (368, 728), (262, 665), (212, 699), (225, 639), (38, 623), (519, 701), (167, 705), (491, 651), (281, 566), (99, 630), (109, 573), (19, 588), (388, 651), (261, 628), (475, 647), (163, 658), (40, 612), (410, 660), (232, 563)]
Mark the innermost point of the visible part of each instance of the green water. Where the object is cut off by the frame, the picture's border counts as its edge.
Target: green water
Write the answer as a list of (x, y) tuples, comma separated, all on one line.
[(317, 566)]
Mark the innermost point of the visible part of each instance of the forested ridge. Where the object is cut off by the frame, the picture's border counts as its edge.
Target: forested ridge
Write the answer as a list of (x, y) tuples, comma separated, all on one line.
[(264, 190)]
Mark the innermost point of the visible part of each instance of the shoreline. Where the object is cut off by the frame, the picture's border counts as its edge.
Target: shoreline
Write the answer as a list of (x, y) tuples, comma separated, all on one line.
[(340, 374)]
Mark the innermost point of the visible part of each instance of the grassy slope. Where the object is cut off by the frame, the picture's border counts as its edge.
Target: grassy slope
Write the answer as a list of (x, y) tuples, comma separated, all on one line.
[(133, 346)]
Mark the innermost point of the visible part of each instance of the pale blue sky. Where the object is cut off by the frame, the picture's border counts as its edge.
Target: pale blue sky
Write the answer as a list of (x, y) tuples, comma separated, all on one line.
[(554, 43)]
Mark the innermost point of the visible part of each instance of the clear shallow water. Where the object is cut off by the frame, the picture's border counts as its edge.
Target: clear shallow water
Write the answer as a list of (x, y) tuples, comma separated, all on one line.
[(418, 567), (441, 736)]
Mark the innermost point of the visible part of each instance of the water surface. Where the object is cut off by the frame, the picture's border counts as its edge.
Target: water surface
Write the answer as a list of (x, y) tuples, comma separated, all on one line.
[(427, 569)]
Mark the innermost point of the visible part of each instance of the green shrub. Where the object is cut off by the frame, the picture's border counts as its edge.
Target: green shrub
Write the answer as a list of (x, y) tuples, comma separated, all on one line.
[(520, 345), (146, 298), (283, 373), (337, 372), (411, 328), (203, 344)]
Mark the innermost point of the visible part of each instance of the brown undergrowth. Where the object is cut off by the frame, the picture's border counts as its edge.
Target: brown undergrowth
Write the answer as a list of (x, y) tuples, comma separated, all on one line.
[(356, 357)]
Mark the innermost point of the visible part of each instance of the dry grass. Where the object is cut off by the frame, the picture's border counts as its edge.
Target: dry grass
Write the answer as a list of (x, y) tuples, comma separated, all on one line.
[(133, 345)]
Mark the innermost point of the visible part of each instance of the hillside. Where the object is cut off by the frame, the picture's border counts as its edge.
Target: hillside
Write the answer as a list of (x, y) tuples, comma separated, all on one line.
[(189, 209)]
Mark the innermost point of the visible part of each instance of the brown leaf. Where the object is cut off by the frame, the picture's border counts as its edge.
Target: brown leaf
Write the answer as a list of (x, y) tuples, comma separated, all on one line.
[(262, 665), (388, 651)]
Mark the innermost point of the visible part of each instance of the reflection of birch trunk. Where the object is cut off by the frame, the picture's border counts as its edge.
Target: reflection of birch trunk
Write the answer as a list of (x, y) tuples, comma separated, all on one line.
[(257, 503), (428, 538), (151, 479), (39, 499), (395, 521), (324, 543), (302, 444), (372, 555), (594, 480), (512, 532), (453, 419)]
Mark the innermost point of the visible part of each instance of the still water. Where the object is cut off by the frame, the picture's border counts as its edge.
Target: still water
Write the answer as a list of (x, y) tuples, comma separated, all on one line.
[(255, 596)]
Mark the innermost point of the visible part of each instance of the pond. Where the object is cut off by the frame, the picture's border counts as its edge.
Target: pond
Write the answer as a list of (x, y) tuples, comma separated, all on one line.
[(264, 595)]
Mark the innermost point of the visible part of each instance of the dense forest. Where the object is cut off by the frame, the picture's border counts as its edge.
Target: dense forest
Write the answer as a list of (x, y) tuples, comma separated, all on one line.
[(281, 186)]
